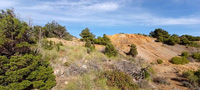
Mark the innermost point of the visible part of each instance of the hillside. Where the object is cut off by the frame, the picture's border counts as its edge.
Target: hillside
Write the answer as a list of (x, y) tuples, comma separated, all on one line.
[(148, 50), (147, 47)]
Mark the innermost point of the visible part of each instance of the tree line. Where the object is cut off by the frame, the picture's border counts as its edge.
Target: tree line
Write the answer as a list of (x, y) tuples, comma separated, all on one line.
[(165, 37), (20, 67)]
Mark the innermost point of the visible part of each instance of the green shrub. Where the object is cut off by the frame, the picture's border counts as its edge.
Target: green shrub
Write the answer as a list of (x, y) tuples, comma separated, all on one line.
[(185, 54), (54, 29), (196, 56), (148, 73), (184, 40), (102, 40), (174, 39), (179, 60), (48, 45), (192, 76), (133, 50), (160, 34), (119, 79), (87, 35), (159, 61), (89, 46), (188, 74), (110, 50), (21, 68)]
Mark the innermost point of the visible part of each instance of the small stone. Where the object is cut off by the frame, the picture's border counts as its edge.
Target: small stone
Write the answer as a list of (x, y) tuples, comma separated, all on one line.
[(86, 61), (84, 66), (66, 82)]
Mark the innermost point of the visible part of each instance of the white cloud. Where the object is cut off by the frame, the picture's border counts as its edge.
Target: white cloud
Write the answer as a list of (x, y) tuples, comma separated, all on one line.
[(95, 12), (103, 7), (7, 4)]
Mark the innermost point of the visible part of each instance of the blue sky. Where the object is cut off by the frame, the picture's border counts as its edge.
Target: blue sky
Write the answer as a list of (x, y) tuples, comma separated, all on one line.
[(112, 16)]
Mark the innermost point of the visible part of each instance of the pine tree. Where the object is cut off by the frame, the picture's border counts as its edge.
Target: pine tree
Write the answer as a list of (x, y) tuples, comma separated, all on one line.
[(110, 50), (20, 68), (87, 35)]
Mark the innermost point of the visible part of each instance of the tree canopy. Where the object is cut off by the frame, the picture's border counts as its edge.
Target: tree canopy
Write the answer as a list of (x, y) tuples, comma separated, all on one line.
[(20, 68), (87, 35), (102, 40), (160, 34), (165, 37)]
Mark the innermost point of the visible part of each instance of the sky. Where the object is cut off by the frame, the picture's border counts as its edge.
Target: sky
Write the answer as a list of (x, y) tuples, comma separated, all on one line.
[(111, 16)]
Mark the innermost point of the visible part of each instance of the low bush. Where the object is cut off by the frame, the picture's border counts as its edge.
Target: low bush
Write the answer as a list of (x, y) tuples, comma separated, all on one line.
[(193, 77), (102, 40), (159, 61), (133, 51), (148, 73), (179, 60), (119, 79), (89, 46), (185, 54), (196, 56), (49, 45), (110, 51)]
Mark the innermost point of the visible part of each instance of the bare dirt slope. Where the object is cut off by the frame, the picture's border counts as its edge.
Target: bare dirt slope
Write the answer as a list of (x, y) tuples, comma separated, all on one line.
[(151, 51), (147, 47)]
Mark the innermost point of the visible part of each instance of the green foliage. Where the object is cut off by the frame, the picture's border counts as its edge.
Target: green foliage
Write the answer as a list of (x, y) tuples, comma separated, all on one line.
[(13, 35), (87, 35), (54, 29), (192, 38), (184, 40), (179, 60), (49, 45), (165, 37), (119, 79), (38, 84), (148, 73), (110, 50), (19, 66), (185, 54), (196, 56), (160, 34), (159, 61), (193, 77), (102, 40), (133, 51), (28, 68), (89, 46), (174, 39)]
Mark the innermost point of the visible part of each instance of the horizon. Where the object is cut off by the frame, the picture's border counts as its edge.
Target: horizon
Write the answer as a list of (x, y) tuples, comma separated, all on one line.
[(111, 17)]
